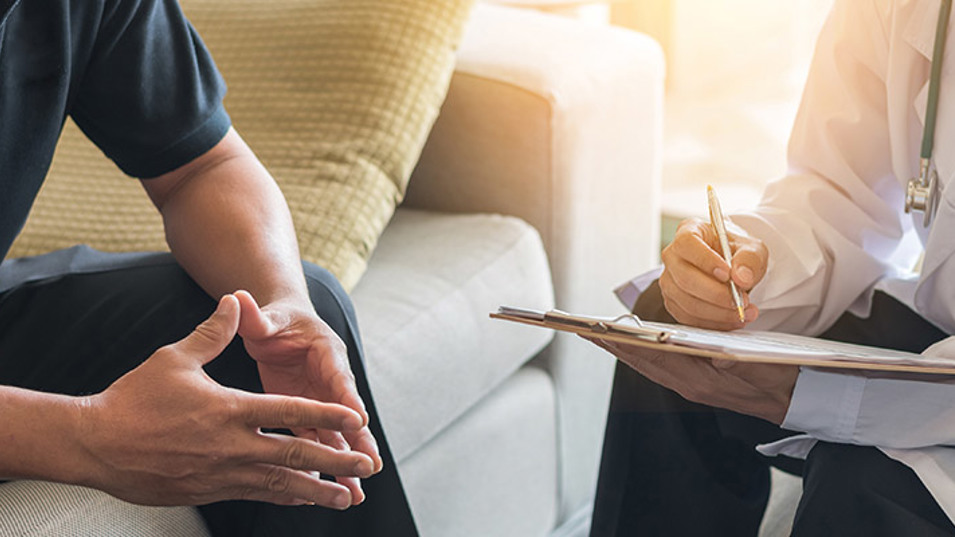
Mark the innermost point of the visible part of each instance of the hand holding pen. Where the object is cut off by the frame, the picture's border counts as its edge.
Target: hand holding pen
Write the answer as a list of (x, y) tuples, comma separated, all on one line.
[(699, 276), (719, 226)]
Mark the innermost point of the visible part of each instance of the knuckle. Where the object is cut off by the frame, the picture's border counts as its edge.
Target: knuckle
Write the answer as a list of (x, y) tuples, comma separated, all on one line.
[(208, 332), (277, 480), (289, 412), (668, 254), (166, 352), (295, 456)]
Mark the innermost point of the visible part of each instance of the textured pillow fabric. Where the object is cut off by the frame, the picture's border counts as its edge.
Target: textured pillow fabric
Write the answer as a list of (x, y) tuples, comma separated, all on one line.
[(335, 96)]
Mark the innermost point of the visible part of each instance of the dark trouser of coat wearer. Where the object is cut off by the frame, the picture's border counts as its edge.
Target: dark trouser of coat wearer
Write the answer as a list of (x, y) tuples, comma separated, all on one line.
[(676, 468)]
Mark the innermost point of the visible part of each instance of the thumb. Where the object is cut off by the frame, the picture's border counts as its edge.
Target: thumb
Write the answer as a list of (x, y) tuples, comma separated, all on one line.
[(253, 324), (211, 337)]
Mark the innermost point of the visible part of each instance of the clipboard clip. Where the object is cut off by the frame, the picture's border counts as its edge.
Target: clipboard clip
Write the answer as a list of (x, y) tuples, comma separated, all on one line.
[(628, 323)]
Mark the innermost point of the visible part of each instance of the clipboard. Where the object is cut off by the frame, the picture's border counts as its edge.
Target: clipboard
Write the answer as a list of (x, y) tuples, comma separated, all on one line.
[(740, 345)]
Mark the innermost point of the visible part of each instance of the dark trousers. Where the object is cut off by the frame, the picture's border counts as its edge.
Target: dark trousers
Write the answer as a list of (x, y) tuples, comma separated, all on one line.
[(671, 467), (75, 333)]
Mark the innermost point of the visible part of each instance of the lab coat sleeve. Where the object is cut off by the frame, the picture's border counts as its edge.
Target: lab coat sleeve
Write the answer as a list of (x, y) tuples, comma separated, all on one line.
[(831, 223), (888, 411)]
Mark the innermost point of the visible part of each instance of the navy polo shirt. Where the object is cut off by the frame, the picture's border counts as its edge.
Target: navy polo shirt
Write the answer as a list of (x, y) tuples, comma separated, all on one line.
[(133, 75)]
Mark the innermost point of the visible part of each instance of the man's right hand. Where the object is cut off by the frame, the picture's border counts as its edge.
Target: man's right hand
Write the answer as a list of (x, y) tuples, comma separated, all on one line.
[(167, 434), (695, 279)]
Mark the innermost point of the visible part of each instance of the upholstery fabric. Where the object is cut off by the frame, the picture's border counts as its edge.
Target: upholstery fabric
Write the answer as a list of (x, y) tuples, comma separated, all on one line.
[(335, 96), (568, 134), (42, 509), (431, 350), (509, 472)]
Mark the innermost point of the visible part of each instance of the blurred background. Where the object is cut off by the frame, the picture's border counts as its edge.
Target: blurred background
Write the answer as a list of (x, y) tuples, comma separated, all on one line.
[(735, 71)]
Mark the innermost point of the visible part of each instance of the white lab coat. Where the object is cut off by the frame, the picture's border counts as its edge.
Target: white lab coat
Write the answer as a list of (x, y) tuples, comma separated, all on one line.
[(836, 231), (834, 224)]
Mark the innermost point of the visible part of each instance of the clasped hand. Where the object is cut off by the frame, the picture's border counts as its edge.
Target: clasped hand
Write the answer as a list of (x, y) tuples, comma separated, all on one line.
[(168, 434)]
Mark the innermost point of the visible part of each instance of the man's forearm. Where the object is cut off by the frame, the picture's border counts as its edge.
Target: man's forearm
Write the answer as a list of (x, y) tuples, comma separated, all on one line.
[(229, 226), (40, 436)]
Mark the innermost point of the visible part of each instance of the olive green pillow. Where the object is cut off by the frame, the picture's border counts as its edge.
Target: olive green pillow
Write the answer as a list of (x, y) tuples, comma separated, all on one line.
[(336, 97)]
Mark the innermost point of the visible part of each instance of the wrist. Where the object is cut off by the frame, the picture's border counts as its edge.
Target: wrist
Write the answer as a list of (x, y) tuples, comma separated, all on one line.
[(43, 437)]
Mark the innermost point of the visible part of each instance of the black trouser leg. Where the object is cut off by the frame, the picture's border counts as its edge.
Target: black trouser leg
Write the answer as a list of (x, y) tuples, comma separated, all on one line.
[(857, 491), (672, 467), (77, 333), (385, 511)]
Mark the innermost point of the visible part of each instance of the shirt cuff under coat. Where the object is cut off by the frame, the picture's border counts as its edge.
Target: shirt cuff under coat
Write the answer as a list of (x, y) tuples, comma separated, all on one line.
[(826, 406)]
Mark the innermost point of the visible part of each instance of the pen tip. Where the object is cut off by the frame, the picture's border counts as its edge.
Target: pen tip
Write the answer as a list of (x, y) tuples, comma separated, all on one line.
[(742, 317)]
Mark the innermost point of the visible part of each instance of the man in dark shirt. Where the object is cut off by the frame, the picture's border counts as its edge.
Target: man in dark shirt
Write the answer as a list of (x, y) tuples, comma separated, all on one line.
[(99, 385)]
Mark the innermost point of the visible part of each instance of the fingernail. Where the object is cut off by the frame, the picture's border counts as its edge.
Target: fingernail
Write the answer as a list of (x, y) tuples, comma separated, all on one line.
[(745, 275), (341, 501), (364, 468), (352, 422), (721, 274)]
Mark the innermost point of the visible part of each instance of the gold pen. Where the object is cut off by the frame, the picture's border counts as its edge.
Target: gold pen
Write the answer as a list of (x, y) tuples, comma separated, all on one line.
[(716, 219)]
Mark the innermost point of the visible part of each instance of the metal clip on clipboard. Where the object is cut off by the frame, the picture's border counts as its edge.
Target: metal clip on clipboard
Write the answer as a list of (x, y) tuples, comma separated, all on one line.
[(596, 325)]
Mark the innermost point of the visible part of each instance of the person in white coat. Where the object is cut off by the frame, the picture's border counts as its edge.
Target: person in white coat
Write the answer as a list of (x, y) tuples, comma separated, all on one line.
[(828, 252)]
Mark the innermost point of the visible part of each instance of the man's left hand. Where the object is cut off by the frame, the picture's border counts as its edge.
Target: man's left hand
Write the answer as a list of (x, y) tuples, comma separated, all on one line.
[(298, 354), (761, 390)]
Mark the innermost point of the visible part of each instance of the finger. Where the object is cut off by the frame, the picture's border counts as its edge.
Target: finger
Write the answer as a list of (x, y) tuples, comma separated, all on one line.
[(300, 454), (274, 484), (253, 323), (704, 315), (363, 441), (284, 411), (335, 440), (686, 375), (716, 307), (681, 279), (211, 337), (724, 364), (750, 262), (344, 388), (694, 243), (648, 362)]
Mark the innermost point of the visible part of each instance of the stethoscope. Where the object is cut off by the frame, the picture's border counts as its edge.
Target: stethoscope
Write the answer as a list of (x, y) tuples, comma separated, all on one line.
[(921, 193)]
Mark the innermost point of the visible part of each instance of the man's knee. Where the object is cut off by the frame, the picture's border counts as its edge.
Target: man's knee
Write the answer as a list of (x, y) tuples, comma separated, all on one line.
[(858, 490)]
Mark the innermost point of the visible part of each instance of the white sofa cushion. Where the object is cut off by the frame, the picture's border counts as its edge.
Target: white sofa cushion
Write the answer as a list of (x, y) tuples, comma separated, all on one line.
[(431, 350), (479, 478)]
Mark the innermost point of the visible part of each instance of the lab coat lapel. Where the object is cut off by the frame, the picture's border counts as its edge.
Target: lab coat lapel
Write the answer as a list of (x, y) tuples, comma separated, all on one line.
[(938, 270), (936, 289), (919, 33)]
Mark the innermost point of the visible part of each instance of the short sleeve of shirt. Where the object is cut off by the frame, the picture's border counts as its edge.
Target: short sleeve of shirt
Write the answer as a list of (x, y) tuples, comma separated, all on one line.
[(151, 96)]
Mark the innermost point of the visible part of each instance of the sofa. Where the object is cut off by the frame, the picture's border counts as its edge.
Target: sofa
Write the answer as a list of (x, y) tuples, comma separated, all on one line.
[(538, 187)]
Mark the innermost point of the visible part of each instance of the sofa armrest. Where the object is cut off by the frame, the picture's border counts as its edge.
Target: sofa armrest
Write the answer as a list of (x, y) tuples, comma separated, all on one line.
[(558, 122)]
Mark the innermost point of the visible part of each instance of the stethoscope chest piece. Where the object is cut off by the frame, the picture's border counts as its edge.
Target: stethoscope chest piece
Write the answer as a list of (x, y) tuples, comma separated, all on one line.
[(921, 193)]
